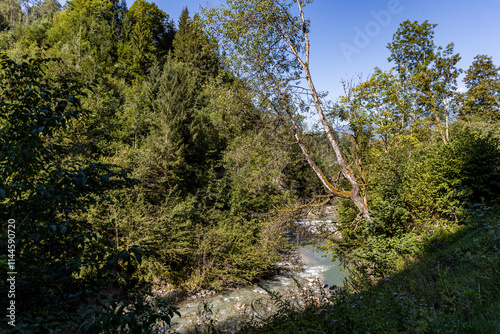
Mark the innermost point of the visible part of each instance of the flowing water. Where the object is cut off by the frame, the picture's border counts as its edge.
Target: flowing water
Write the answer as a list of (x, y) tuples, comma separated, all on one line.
[(232, 306), (319, 264)]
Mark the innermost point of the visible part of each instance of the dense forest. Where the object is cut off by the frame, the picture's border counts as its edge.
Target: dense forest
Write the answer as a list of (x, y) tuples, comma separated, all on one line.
[(136, 150)]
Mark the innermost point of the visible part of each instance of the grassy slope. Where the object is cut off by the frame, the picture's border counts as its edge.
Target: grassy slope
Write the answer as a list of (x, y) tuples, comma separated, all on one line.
[(453, 288)]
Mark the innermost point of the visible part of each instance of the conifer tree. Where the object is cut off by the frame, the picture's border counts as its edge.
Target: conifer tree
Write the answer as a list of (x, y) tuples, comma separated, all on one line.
[(482, 98), (195, 49), (151, 34)]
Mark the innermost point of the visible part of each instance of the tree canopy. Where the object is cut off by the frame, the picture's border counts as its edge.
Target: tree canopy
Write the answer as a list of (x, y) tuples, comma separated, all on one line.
[(135, 150), (269, 45), (482, 81)]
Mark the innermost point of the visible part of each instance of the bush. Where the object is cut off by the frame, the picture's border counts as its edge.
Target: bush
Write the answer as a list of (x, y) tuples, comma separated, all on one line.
[(414, 198)]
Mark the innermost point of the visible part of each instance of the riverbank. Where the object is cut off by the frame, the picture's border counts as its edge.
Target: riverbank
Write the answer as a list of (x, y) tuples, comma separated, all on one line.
[(292, 264), (299, 282), (302, 273), (311, 229), (452, 287)]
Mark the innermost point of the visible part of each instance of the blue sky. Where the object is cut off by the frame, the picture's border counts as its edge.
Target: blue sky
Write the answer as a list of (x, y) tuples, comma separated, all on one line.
[(339, 49), (350, 37)]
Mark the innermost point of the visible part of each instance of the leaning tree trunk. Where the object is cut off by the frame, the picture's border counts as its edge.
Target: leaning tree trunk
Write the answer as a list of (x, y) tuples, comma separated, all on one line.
[(355, 194)]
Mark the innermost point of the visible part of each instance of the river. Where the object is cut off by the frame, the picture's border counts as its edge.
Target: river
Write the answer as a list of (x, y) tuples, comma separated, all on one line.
[(231, 306)]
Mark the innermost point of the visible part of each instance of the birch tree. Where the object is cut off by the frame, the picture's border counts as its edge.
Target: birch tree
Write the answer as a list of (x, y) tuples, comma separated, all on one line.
[(427, 72), (267, 43)]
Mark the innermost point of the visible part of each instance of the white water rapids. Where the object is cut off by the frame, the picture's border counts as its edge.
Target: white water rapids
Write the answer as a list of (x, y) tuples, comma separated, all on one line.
[(232, 306)]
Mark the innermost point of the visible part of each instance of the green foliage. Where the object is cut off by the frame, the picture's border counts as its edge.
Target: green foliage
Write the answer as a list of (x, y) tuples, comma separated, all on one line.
[(31, 35), (182, 141), (428, 73), (412, 48), (453, 287), (411, 179), (210, 150), (150, 36), (474, 159), (481, 216), (178, 129), (87, 37), (258, 173), (48, 8), (10, 14), (60, 260), (194, 48), (100, 9), (156, 21), (414, 197), (482, 98), (112, 316), (237, 251), (98, 133)]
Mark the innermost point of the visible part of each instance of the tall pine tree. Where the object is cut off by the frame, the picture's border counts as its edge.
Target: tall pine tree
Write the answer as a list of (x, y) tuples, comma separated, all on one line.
[(194, 48)]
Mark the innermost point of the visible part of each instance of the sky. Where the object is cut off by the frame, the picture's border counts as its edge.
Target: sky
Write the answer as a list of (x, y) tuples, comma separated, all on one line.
[(350, 37)]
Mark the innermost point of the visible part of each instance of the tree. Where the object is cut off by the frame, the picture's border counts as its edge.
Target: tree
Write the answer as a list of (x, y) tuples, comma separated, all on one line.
[(383, 99), (482, 98), (10, 13), (91, 31), (427, 73), (180, 141), (60, 260), (141, 41), (36, 9), (194, 48), (268, 42), (100, 9), (189, 203), (152, 31), (446, 74), (48, 8), (412, 47)]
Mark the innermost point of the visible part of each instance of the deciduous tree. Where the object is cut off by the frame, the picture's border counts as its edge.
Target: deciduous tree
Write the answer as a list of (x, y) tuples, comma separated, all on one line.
[(10, 13), (427, 73), (268, 44)]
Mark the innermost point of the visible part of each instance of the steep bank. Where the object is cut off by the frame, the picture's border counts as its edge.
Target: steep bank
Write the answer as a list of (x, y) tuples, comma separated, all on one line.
[(453, 287)]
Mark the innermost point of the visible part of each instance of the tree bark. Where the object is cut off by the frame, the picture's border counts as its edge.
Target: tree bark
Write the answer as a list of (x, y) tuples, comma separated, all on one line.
[(355, 194)]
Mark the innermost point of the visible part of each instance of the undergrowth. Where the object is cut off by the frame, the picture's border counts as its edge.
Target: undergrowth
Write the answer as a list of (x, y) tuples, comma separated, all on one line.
[(452, 287)]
